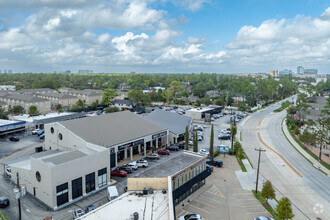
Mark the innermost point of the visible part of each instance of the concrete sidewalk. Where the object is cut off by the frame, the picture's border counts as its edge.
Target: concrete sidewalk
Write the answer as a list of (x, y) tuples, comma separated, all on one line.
[(315, 163)]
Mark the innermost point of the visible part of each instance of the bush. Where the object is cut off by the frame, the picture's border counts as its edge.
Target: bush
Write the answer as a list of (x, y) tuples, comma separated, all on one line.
[(215, 154), (296, 131), (231, 152)]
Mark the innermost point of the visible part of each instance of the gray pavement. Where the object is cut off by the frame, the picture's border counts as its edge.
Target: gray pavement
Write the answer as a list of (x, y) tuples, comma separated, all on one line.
[(222, 197), (309, 192)]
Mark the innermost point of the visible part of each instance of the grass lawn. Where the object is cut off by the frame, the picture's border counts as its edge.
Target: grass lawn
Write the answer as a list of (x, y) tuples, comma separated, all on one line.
[(241, 164), (3, 216), (264, 203), (286, 104)]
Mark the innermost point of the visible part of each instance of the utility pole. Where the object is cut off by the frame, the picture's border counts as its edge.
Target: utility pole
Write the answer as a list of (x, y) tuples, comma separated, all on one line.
[(258, 168), (19, 200)]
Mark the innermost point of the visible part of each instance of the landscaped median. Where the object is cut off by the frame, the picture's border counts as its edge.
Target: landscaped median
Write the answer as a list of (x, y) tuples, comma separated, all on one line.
[(284, 105)]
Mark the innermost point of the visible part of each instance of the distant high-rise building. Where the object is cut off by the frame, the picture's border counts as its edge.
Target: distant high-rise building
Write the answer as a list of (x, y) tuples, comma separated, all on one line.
[(310, 71), (300, 70), (285, 72), (10, 71), (85, 71), (4, 71), (67, 71), (273, 73)]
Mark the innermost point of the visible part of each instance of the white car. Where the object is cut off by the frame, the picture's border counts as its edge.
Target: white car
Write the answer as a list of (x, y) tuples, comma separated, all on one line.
[(142, 163), (191, 217), (263, 218), (204, 152), (133, 165), (78, 213), (225, 131), (200, 137), (35, 131)]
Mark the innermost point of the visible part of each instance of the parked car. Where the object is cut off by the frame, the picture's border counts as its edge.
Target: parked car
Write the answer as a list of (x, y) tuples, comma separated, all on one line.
[(164, 152), (38, 149), (89, 208), (78, 213), (263, 218), (4, 202), (190, 217), (173, 148), (209, 167), (35, 131), (133, 165), (14, 138), (225, 131), (40, 132), (191, 142), (153, 156), (142, 163), (181, 145), (121, 173), (197, 128), (204, 151), (127, 168), (200, 137), (224, 136), (214, 162)]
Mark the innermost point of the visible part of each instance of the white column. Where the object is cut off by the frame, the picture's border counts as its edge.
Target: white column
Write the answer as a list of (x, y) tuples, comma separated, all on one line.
[(131, 152), (125, 153), (145, 149), (139, 148), (156, 143)]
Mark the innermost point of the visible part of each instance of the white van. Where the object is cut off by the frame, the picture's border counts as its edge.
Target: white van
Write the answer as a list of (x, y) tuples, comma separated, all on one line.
[(112, 192)]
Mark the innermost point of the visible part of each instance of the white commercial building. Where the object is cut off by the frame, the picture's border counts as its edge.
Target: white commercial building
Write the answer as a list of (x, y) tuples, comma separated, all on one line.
[(7, 88)]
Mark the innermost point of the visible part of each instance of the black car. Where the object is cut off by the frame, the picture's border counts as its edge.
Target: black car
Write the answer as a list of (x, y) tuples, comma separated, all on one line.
[(128, 169), (173, 148), (181, 145), (4, 202), (14, 138), (214, 162), (209, 167), (89, 208)]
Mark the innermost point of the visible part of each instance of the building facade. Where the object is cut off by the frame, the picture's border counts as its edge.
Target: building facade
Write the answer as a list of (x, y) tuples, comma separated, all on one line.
[(300, 70)]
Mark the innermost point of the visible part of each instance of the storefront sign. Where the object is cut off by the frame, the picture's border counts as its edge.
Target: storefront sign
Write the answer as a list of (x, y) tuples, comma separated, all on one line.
[(131, 144), (161, 134)]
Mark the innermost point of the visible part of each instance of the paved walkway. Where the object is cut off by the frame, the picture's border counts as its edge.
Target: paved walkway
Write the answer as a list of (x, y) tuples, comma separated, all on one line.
[(316, 163)]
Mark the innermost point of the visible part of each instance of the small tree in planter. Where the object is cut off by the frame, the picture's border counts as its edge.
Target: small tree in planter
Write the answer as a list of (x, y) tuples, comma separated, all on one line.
[(268, 191)]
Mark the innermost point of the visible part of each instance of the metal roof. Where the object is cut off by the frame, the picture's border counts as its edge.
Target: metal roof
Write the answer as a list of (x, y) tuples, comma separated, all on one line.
[(173, 121), (112, 129)]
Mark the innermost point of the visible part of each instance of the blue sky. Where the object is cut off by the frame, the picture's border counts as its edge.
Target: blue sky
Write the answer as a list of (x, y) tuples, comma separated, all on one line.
[(228, 36)]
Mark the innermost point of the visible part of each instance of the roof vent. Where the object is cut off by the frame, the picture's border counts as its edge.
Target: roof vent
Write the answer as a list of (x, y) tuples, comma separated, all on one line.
[(135, 215), (164, 191), (151, 191), (145, 191)]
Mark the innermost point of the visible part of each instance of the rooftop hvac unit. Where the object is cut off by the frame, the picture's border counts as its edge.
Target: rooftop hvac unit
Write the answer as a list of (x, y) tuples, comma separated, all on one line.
[(164, 191), (135, 215), (145, 191), (151, 191)]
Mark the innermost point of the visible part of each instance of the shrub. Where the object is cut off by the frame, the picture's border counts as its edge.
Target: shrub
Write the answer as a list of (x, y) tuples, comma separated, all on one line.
[(296, 131)]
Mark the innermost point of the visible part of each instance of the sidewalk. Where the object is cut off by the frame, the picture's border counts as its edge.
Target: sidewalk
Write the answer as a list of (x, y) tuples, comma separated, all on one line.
[(315, 163)]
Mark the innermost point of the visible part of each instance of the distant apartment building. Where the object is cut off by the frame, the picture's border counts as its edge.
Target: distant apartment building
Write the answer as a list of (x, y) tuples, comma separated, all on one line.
[(124, 86), (310, 71), (300, 70), (273, 73), (285, 72), (87, 95), (7, 88), (212, 93)]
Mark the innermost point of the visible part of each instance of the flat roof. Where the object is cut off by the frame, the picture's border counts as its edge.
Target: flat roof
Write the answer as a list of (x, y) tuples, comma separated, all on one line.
[(4, 122), (64, 157), (173, 165), (112, 129), (46, 117), (200, 109), (151, 206), (173, 121)]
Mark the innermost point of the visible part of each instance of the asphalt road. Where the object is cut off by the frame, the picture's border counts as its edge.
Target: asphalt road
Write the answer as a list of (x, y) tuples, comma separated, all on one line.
[(311, 192)]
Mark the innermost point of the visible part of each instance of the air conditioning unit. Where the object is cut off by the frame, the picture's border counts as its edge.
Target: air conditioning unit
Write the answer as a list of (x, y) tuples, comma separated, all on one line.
[(145, 191)]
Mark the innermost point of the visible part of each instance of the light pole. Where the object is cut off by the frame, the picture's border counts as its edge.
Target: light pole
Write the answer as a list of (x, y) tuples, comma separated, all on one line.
[(258, 169), (17, 192)]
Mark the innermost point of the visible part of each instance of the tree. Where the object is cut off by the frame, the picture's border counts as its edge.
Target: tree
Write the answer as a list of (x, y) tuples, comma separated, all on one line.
[(237, 146), (111, 109), (17, 110), (195, 144), (33, 110), (108, 95), (59, 108), (211, 142), (242, 106), (268, 191), (138, 97), (80, 103), (186, 138), (95, 103), (283, 209), (3, 114), (291, 111)]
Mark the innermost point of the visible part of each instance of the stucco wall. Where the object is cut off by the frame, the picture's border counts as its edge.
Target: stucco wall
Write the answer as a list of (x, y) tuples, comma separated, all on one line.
[(138, 183)]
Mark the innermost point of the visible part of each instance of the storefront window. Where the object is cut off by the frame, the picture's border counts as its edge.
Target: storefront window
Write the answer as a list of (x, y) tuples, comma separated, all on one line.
[(102, 177)]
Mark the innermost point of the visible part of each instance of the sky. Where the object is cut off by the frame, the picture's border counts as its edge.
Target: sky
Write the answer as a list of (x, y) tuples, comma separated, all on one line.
[(164, 36)]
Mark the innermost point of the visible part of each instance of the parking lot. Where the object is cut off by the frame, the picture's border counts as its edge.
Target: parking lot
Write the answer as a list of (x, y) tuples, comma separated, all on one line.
[(222, 196)]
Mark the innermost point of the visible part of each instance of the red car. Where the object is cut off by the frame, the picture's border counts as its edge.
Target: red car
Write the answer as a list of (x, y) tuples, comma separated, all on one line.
[(119, 173), (164, 152)]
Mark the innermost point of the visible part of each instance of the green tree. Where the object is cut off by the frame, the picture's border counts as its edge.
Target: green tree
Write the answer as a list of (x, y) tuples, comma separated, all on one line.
[(283, 209), (108, 95), (167, 95), (59, 108), (138, 97), (291, 111), (268, 191), (33, 110), (95, 103), (195, 142), (237, 146), (3, 114), (17, 110), (186, 138), (242, 106), (80, 103), (111, 109), (211, 142)]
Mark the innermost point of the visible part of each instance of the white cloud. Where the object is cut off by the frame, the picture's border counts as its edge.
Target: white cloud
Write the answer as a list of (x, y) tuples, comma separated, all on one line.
[(192, 5)]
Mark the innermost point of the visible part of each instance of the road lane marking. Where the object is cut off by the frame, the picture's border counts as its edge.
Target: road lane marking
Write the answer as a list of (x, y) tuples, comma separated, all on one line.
[(204, 203), (261, 121), (275, 152)]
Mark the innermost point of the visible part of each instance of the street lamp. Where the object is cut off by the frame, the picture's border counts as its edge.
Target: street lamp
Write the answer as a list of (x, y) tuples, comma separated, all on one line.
[(17, 193)]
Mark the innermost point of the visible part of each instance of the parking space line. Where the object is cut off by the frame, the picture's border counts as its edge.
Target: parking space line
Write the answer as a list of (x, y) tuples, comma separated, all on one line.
[(198, 208), (261, 212), (204, 203), (246, 199), (184, 212), (215, 191), (247, 206), (241, 194), (210, 198)]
